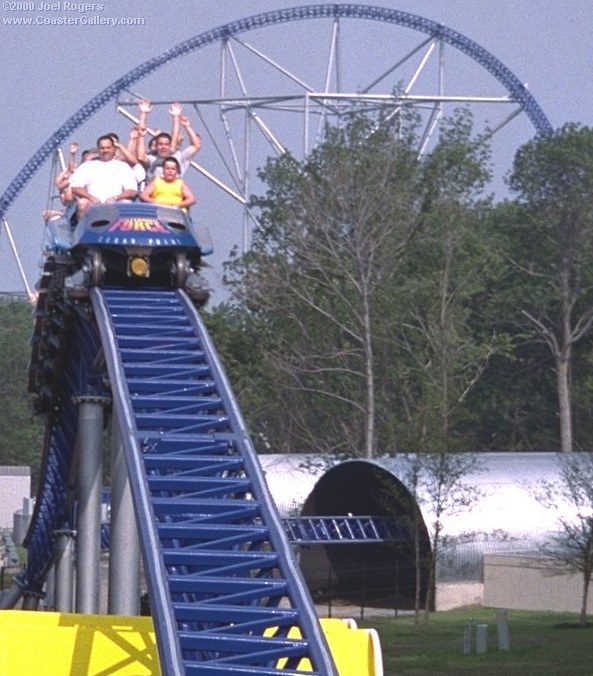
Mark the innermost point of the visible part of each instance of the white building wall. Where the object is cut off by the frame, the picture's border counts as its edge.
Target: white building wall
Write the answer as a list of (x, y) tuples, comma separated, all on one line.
[(528, 583), (15, 486)]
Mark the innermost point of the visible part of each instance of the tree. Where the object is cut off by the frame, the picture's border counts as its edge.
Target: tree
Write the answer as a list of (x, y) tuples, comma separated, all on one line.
[(438, 490), (571, 548), (332, 229), (450, 262), (240, 338), (361, 279), (21, 435), (552, 250), (443, 491)]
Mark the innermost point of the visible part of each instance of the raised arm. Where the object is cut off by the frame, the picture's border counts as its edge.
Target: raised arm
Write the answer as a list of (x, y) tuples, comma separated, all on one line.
[(195, 140), (145, 108), (63, 179), (71, 166), (175, 112), (128, 156), (133, 141)]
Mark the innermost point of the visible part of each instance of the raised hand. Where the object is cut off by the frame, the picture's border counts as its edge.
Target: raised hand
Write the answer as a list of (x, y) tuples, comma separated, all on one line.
[(175, 109), (145, 106)]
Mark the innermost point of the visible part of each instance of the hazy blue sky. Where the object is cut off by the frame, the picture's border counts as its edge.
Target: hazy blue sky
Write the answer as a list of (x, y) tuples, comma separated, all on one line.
[(48, 71)]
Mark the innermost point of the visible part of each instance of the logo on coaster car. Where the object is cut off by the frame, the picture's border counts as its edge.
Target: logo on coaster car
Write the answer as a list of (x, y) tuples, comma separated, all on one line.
[(138, 225)]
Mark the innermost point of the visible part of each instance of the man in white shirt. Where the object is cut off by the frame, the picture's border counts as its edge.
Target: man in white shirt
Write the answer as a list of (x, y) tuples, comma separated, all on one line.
[(104, 179)]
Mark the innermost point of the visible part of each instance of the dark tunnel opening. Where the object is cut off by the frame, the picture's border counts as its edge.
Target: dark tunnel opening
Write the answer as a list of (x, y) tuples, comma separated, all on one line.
[(369, 573)]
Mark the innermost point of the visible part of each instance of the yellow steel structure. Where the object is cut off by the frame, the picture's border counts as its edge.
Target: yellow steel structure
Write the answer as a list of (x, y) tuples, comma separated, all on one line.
[(63, 644)]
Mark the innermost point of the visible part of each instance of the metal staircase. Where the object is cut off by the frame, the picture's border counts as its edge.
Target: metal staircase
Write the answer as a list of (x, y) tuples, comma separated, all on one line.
[(224, 588)]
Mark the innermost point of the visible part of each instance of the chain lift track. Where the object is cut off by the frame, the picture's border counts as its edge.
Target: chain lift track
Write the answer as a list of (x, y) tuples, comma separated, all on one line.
[(219, 569)]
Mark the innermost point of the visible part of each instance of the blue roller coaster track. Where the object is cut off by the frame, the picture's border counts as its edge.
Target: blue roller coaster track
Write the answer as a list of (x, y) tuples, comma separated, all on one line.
[(219, 569), (512, 84)]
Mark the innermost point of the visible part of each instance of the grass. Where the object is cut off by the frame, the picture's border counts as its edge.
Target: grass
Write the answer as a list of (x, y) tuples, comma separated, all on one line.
[(541, 643)]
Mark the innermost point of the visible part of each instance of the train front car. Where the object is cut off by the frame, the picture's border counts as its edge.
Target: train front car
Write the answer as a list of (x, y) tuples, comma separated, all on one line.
[(138, 244)]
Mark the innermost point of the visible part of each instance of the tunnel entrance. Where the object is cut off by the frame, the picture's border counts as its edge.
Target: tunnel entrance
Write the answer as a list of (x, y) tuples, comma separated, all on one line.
[(370, 573)]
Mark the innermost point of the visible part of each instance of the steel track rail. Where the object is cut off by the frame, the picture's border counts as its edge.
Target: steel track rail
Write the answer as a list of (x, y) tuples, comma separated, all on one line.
[(225, 591)]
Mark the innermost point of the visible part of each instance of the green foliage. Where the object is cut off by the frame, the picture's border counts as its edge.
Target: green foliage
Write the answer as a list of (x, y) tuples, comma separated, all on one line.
[(367, 256), (550, 246), (443, 277), (550, 237), (20, 432), (391, 306), (331, 229), (240, 337)]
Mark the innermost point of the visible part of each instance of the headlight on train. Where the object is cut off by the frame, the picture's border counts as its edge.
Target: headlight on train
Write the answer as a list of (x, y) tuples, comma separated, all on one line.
[(138, 266)]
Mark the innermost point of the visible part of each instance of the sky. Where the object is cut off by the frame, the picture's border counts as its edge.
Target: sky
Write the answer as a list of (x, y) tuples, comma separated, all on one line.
[(48, 70)]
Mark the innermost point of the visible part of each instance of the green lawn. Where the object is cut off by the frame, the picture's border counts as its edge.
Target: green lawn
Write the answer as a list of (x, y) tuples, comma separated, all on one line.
[(541, 644)]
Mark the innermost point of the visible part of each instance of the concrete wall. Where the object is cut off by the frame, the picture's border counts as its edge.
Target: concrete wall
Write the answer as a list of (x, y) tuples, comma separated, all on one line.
[(526, 583), (458, 594), (15, 486)]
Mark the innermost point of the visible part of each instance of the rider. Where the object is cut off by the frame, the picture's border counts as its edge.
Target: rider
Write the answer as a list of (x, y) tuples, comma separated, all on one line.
[(169, 189), (105, 179)]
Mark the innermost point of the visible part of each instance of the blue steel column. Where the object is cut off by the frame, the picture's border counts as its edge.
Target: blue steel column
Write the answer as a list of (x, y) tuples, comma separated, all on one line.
[(90, 464), (124, 543)]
